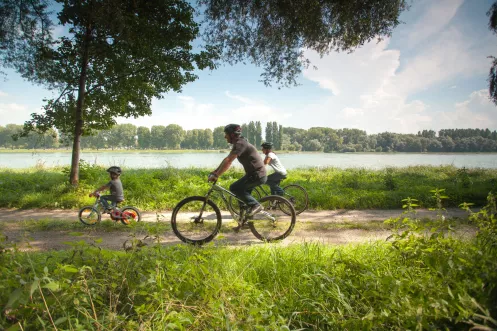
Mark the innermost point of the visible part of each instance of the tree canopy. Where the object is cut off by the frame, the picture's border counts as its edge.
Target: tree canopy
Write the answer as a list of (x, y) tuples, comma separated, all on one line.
[(24, 27), (274, 33)]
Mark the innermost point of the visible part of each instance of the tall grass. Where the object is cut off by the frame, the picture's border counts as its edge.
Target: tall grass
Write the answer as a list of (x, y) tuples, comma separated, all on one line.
[(309, 287), (328, 188)]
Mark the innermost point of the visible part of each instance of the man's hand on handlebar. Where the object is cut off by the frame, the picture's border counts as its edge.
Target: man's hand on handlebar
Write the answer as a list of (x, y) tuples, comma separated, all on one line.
[(212, 177)]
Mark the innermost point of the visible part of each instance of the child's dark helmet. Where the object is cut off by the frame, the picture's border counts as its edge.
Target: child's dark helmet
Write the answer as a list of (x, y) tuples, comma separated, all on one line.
[(115, 170)]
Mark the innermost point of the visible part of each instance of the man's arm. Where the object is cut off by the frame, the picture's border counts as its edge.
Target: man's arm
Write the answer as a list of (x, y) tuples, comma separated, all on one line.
[(225, 165), (267, 160)]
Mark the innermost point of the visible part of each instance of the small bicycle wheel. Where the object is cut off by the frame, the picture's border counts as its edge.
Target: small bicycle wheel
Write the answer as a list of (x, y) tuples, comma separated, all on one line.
[(196, 220), (297, 196), (130, 214), (89, 215), (272, 223), (235, 207)]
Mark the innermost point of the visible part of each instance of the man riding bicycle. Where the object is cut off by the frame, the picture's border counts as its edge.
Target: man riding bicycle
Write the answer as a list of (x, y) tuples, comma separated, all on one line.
[(255, 171)]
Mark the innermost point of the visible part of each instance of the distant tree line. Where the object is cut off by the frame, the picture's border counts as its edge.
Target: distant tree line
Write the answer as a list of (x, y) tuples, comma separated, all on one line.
[(319, 139)]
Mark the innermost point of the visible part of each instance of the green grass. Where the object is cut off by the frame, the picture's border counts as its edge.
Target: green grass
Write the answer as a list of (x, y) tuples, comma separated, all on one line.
[(307, 287), (328, 188)]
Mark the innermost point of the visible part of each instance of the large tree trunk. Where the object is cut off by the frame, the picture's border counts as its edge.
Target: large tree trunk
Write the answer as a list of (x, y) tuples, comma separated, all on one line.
[(78, 128)]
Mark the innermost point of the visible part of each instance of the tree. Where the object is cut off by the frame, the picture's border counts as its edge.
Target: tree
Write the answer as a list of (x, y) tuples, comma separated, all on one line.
[(252, 132), (119, 56), (276, 136), (173, 135), (269, 132), (218, 138), (144, 137), (157, 136), (274, 33), (492, 76), (24, 27), (258, 137), (207, 139)]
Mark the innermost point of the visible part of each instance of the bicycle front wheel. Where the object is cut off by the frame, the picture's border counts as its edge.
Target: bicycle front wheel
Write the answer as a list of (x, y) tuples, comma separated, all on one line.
[(297, 196), (129, 215), (89, 215), (196, 220), (272, 223)]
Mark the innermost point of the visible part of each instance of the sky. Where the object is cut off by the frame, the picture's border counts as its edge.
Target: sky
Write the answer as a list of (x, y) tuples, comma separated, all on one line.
[(430, 74)]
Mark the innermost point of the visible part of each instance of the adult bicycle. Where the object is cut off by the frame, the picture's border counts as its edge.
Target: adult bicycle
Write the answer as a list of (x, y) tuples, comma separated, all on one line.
[(197, 219), (296, 194), (92, 214)]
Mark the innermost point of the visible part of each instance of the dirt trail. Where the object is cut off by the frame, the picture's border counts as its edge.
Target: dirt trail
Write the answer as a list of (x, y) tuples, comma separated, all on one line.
[(10, 221)]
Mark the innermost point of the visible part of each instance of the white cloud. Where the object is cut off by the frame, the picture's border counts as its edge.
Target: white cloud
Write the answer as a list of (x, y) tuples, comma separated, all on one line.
[(14, 113), (372, 86), (3, 94), (477, 111), (191, 114), (433, 20)]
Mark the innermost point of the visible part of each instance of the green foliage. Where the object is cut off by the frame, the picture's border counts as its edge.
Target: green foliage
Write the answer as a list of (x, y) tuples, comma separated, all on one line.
[(463, 177), (269, 287), (389, 180), (328, 188)]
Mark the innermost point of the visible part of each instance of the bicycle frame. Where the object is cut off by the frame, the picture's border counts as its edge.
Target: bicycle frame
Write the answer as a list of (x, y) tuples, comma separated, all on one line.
[(221, 191)]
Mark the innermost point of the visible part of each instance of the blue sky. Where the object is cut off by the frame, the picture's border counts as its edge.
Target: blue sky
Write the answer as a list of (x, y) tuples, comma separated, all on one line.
[(430, 74)]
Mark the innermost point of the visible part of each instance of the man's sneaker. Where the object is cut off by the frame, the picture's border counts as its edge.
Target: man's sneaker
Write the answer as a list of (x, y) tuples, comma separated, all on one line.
[(254, 210), (241, 227)]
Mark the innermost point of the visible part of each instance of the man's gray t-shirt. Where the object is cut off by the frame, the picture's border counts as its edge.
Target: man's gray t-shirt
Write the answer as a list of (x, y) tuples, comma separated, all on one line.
[(248, 156), (116, 189)]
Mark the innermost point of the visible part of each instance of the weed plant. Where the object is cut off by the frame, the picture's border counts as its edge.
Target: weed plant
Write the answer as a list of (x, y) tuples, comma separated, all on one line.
[(328, 188), (432, 284)]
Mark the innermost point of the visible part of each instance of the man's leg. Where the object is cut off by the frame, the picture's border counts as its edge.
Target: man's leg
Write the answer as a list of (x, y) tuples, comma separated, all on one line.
[(274, 181), (243, 187)]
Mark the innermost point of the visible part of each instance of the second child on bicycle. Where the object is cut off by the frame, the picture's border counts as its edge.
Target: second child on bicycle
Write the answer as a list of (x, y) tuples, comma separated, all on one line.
[(116, 189), (248, 156), (280, 173)]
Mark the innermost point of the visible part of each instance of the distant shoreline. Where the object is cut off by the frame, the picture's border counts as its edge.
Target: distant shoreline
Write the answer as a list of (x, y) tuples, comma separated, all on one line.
[(178, 151)]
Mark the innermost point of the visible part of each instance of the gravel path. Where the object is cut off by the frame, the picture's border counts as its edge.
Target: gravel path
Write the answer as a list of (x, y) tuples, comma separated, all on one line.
[(326, 227)]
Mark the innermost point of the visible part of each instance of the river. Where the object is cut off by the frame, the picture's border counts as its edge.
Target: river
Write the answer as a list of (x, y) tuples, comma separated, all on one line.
[(138, 159)]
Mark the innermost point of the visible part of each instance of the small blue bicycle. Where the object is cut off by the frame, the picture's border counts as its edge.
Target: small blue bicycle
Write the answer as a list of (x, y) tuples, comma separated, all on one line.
[(91, 215)]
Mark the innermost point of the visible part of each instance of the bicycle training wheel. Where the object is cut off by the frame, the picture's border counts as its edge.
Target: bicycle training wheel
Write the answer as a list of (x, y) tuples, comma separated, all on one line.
[(272, 223), (196, 220), (88, 215), (130, 214), (297, 196), (235, 207)]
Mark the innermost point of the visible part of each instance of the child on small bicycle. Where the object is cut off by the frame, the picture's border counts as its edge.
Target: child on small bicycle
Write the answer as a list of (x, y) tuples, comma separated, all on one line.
[(116, 189), (274, 179)]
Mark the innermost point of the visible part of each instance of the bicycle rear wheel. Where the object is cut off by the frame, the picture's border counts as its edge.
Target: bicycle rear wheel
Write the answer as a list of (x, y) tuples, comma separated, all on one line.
[(130, 214), (297, 196), (272, 223), (88, 215), (196, 220)]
